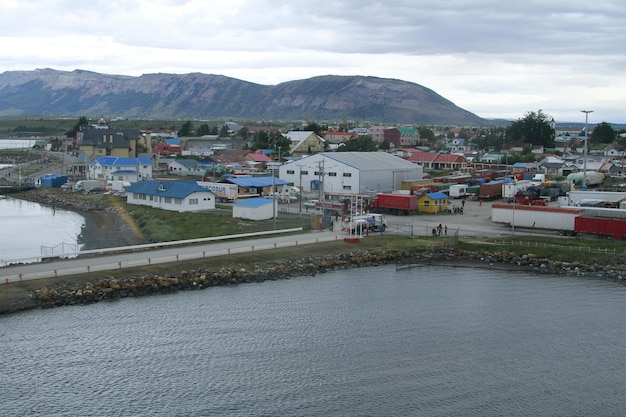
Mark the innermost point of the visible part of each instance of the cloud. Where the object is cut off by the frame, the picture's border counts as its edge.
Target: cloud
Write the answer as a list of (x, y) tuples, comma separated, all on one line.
[(496, 59)]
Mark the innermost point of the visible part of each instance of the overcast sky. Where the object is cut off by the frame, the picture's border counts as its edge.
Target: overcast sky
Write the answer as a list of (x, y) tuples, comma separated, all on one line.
[(497, 59)]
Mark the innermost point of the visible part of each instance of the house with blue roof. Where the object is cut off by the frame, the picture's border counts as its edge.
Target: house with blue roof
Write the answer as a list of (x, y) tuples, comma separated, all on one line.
[(433, 202), (255, 208), (114, 168), (175, 195), (260, 186)]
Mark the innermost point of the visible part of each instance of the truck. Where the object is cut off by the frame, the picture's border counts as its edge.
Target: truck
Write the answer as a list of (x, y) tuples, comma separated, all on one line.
[(567, 221), (510, 189), (117, 185), (225, 192), (558, 219), (458, 190), (86, 185), (166, 149), (592, 178), (490, 190), (364, 222), (393, 203)]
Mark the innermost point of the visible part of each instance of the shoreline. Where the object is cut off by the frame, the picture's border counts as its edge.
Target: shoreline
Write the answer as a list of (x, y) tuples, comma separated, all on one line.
[(241, 270), (105, 225), (104, 220)]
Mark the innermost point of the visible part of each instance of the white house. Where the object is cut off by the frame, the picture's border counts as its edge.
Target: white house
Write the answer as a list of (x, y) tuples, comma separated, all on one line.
[(349, 172), (185, 167), (255, 208), (113, 168), (178, 195)]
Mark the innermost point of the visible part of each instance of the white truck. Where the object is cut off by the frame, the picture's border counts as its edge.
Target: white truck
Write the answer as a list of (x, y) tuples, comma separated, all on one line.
[(509, 189), (117, 185), (561, 220), (225, 192), (361, 223), (457, 190), (86, 185)]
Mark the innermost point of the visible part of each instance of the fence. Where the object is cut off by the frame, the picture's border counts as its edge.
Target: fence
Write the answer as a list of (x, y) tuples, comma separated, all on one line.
[(588, 249)]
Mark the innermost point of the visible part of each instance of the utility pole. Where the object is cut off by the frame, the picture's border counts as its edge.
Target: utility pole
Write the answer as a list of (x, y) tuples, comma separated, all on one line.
[(300, 185), (320, 174), (585, 156)]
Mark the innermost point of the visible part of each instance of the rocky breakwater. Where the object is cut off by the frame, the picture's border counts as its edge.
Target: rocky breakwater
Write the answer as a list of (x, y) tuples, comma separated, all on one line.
[(136, 286)]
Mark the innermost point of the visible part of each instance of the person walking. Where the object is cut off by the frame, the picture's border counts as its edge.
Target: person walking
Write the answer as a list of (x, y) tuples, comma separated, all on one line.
[(445, 228)]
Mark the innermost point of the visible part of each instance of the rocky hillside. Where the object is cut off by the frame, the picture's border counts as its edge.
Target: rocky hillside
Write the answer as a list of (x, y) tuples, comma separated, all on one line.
[(203, 96)]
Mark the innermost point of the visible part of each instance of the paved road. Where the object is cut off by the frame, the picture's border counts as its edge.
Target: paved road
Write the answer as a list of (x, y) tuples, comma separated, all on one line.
[(475, 222), (156, 256)]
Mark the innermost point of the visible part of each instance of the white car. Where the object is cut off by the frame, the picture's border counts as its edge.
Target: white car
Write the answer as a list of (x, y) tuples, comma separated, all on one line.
[(310, 203)]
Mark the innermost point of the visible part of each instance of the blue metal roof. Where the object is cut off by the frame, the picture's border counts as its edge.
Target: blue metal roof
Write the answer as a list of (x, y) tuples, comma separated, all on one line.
[(124, 172), (437, 196), (174, 189), (253, 202), (256, 181), (117, 161)]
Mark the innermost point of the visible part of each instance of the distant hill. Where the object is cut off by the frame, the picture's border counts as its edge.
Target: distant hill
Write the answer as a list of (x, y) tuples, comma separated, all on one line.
[(49, 92)]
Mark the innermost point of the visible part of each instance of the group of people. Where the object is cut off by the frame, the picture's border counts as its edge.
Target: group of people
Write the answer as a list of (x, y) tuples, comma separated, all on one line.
[(438, 230)]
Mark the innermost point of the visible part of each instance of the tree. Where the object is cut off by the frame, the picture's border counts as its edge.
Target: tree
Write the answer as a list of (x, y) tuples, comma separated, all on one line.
[(185, 131), (385, 145), (224, 132), (426, 133), (82, 121), (603, 133), (203, 130), (359, 144), (534, 128), (312, 126)]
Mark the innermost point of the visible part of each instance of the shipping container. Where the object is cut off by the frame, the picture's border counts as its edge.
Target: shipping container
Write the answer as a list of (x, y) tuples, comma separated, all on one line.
[(394, 203)]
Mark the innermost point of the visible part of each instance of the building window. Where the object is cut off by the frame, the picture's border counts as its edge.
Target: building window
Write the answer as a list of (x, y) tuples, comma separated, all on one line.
[(347, 187), (304, 172), (290, 172), (193, 201), (168, 200), (178, 201), (347, 174), (332, 174)]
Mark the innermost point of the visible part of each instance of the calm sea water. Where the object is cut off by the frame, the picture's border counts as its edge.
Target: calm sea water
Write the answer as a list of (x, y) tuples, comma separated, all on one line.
[(427, 341), (30, 230)]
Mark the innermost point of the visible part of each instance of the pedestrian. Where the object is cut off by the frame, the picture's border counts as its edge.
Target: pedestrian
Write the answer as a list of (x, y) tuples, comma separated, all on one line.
[(463, 203), (439, 229), (446, 229), (480, 203), (434, 231)]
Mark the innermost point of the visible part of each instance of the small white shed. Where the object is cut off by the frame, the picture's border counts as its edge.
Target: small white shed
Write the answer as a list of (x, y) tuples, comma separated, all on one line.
[(255, 209)]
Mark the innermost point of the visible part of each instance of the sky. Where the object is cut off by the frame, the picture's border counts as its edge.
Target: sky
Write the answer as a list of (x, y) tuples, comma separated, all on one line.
[(494, 58)]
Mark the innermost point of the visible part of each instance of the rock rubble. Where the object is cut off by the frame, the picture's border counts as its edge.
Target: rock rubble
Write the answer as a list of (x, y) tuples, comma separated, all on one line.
[(136, 286)]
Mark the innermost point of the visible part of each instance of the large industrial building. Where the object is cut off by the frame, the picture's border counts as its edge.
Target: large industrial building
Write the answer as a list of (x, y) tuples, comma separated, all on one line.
[(349, 172)]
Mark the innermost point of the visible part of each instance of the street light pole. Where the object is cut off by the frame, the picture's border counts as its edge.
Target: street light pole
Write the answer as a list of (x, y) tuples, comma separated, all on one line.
[(585, 153)]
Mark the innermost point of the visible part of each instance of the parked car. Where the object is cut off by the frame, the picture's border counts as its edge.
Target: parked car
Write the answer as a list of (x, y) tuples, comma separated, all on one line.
[(94, 190), (310, 203)]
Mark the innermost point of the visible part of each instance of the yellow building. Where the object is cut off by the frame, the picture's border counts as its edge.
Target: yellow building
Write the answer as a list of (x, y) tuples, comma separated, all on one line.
[(305, 143), (96, 142), (432, 203)]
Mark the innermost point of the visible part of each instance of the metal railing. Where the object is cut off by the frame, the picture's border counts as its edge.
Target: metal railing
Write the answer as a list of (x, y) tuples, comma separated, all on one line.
[(588, 249)]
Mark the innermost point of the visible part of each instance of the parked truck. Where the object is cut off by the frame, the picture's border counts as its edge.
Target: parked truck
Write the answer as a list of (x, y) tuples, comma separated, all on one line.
[(393, 203), (86, 185), (510, 189), (490, 190), (225, 192), (567, 221), (458, 190)]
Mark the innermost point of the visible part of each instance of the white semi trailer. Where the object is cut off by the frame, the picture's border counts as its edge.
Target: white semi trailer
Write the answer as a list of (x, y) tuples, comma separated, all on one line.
[(559, 219)]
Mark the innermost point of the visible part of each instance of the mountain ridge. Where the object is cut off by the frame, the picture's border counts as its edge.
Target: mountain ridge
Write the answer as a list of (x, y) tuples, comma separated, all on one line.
[(208, 96)]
